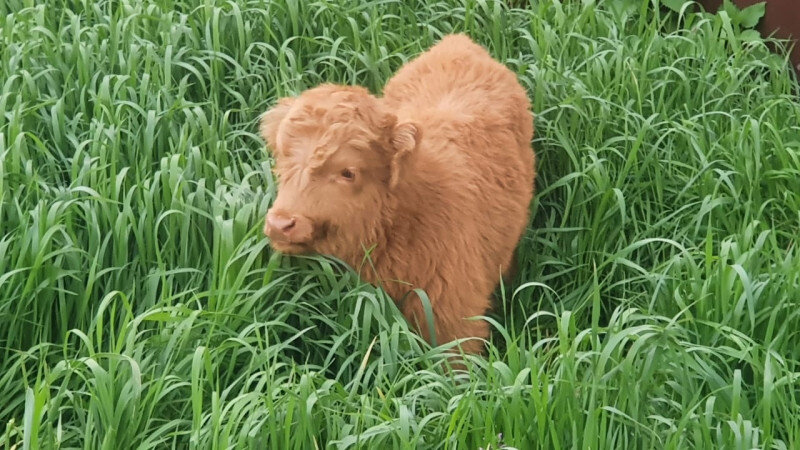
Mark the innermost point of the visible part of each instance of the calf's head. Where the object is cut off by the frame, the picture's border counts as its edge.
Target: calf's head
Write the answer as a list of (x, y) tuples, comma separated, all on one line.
[(338, 155)]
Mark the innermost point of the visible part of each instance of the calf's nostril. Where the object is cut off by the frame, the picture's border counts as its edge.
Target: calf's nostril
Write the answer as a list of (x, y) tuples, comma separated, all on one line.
[(288, 225), (281, 223)]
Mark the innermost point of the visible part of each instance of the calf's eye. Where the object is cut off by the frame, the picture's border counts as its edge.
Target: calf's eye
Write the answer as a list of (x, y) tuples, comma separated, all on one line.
[(348, 174)]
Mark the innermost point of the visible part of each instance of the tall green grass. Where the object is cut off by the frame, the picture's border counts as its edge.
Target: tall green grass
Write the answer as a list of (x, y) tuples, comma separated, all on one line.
[(657, 302)]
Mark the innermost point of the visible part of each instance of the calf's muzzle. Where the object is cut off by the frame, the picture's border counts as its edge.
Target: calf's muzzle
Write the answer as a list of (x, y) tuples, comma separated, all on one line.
[(283, 227)]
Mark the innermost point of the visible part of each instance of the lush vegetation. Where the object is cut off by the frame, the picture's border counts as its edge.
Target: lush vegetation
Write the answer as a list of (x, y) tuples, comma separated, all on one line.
[(657, 302)]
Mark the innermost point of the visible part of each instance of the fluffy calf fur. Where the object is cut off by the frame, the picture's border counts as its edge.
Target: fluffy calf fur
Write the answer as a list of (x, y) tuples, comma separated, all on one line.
[(434, 180)]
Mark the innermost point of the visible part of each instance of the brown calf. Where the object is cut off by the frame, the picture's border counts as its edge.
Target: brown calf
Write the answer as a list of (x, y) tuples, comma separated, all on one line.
[(434, 179)]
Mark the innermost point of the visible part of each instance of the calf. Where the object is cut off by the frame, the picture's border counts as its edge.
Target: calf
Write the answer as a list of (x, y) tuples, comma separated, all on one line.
[(433, 180)]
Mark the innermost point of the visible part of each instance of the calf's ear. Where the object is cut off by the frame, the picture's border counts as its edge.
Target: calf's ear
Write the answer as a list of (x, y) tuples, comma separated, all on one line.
[(405, 137), (271, 120)]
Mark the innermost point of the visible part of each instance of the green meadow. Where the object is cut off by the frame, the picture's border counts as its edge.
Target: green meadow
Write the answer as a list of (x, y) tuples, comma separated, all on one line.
[(657, 303)]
